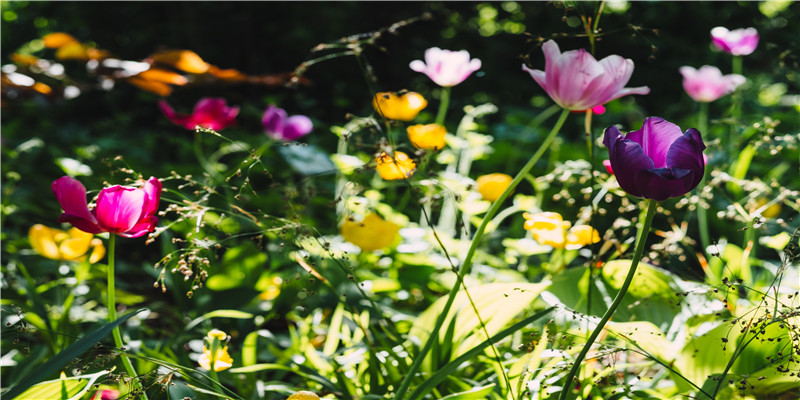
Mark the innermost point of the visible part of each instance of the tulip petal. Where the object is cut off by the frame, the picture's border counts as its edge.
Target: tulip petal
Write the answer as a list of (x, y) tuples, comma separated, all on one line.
[(627, 157), (296, 127), (152, 189), (119, 208), (71, 194), (171, 115), (417, 66), (655, 137), (538, 75), (663, 183)]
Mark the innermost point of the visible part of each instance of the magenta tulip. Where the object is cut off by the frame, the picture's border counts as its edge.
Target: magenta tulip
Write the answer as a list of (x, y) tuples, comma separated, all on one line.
[(126, 211), (577, 81), (211, 113), (738, 42), (708, 84), (658, 161), (280, 126), (446, 67)]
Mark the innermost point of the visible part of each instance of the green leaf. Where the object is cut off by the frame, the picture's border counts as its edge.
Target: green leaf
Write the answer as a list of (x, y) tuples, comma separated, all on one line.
[(63, 388), (307, 159), (61, 359), (648, 282), (475, 393), (235, 314)]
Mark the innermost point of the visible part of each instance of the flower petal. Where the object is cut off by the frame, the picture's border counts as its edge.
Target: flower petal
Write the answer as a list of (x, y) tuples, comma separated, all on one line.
[(119, 208), (663, 183), (296, 127), (71, 194), (627, 157), (655, 137)]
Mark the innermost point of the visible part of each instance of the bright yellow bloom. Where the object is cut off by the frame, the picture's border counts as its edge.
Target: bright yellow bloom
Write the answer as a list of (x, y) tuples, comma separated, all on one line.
[(371, 234), (219, 353), (491, 186), (403, 107), (71, 245), (550, 229), (303, 395), (428, 137), (402, 167)]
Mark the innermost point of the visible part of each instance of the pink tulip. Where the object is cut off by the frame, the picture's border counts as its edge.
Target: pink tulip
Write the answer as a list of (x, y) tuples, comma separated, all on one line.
[(577, 81), (211, 113), (126, 211), (445, 67), (708, 84), (738, 42)]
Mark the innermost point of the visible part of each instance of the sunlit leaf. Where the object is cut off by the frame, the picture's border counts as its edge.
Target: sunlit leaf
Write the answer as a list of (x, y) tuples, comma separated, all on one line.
[(58, 39), (159, 88), (74, 387), (184, 60), (307, 159), (163, 75)]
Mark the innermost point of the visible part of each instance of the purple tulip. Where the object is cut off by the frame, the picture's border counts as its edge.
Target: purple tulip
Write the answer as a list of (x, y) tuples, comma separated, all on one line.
[(446, 67), (708, 84), (658, 161), (126, 211), (210, 112), (282, 127), (577, 81), (738, 42)]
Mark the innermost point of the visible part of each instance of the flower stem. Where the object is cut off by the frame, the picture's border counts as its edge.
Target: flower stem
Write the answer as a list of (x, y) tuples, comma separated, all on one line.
[(637, 255), (443, 104), (467, 264), (702, 213), (112, 315)]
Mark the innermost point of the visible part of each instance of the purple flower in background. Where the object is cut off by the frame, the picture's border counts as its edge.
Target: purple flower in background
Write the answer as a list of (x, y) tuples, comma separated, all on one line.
[(575, 80), (658, 161), (708, 84), (446, 67), (738, 42), (282, 127), (126, 211), (209, 112)]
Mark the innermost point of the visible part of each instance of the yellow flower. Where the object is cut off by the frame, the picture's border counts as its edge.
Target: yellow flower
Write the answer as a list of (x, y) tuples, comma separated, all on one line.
[(428, 137), (403, 107), (303, 395), (71, 245), (402, 167), (550, 229), (218, 353), (491, 186), (371, 234), (272, 290)]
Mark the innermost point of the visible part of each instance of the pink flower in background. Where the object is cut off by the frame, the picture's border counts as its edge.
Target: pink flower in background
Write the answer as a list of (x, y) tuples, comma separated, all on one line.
[(738, 42), (126, 211), (106, 394), (279, 125), (708, 84), (575, 80), (446, 67), (209, 112)]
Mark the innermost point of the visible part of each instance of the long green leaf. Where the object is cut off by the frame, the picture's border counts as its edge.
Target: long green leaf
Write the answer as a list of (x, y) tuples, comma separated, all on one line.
[(61, 359), (71, 388), (446, 370), (235, 314)]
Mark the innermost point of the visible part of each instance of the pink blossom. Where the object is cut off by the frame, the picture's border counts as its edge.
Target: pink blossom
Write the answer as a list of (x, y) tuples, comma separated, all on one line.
[(575, 80), (209, 112), (707, 83), (446, 67), (126, 211), (738, 42), (279, 125)]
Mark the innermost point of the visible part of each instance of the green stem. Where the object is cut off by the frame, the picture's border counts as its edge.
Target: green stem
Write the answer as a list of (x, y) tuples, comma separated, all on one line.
[(590, 146), (637, 255), (443, 104), (702, 212), (466, 266), (112, 315), (736, 64)]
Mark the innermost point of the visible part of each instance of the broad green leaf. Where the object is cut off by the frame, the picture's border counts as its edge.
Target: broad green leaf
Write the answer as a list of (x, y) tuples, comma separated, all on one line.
[(649, 281), (307, 159), (61, 359), (646, 336), (63, 388)]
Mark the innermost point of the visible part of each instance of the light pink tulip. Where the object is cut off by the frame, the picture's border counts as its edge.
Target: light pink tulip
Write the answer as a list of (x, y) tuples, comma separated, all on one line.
[(209, 112), (708, 84), (126, 211), (446, 67), (577, 81), (738, 42)]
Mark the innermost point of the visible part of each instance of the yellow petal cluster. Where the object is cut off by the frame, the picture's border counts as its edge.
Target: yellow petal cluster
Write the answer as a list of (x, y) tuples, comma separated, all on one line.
[(428, 137), (491, 186), (71, 245), (218, 354), (550, 229), (401, 167), (303, 395), (371, 234), (400, 107)]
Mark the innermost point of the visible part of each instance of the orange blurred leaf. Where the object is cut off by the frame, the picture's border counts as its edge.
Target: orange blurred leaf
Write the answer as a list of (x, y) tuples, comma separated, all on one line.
[(24, 59), (42, 88), (162, 75), (159, 88), (226, 74), (184, 60), (72, 51), (58, 39)]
